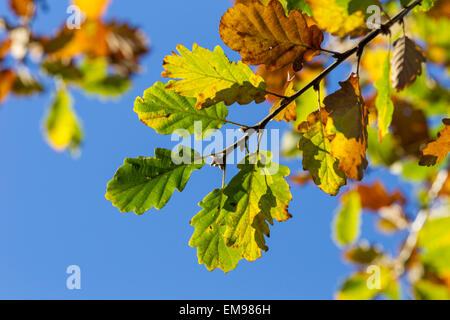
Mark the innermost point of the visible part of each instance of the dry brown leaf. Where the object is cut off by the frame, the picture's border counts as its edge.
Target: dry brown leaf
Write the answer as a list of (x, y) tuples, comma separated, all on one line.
[(7, 78), (23, 8), (406, 61), (349, 114), (375, 196), (264, 35), (437, 150)]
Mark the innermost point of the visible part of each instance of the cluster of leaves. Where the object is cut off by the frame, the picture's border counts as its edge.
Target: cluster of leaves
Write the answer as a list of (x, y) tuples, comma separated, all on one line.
[(97, 56), (379, 113)]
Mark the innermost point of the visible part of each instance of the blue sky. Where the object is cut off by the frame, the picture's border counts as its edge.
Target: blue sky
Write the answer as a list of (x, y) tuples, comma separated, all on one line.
[(53, 212)]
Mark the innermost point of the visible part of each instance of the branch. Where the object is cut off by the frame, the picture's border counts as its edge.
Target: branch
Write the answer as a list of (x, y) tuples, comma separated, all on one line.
[(418, 223), (340, 57)]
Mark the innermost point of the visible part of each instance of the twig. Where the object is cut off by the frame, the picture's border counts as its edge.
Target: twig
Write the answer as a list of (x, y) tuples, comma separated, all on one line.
[(417, 225), (340, 57)]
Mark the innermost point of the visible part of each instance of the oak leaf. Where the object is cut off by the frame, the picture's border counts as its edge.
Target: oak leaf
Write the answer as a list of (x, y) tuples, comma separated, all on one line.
[(317, 157), (407, 59), (437, 150), (168, 112), (256, 195), (265, 35), (208, 238), (334, 18), (347, 110), (211, 78)]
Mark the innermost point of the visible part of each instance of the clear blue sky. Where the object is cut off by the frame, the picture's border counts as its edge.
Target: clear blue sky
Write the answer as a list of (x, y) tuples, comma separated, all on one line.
[(53, 212)]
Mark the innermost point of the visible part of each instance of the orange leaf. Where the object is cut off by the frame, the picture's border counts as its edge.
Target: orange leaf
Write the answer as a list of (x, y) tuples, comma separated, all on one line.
[(375, 196), (437, 150), (264, 35), (93, 9), (349, 114), (7, 78), (23, 8)]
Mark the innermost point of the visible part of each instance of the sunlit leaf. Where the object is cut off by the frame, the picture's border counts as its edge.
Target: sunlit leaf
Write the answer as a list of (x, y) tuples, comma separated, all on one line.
[(168, 112), (347, 222), (334, 18), (211, 78), (317, 157), (208, 237), (437, 150), (265, 35), (142, 183), (349, 114), (256, 195), (383, 102), (62, 127), (93, 9)]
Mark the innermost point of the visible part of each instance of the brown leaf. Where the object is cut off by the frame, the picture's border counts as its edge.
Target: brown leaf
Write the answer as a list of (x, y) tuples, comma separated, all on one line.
[(301, 178), (409, 126), (264, 35), (126, 45), (23, 8), (375, 196), (406, 61), (7, 78), (349, 114), (437, 150)]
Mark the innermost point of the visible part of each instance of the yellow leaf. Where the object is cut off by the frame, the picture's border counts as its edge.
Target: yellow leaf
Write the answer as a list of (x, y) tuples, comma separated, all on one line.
[(62, 128), (437, 150), (264, 35), (93, 9), (349, 124), (289, 113), (211, 78), (334, 18)]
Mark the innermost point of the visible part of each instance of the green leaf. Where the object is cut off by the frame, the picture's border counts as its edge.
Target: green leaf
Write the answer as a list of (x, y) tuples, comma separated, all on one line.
[(317, 158), (435, 234), (67, 71), (363, 285), (211, 77), (385, 152), (166, 111), (208, 237), (383, 102), (347, 223), (427, 290), (143, 183), (256, 195), (97, 81), (299, 5), (353, 6), (62, 127)]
